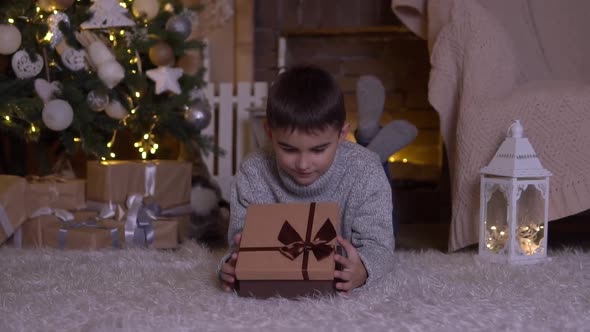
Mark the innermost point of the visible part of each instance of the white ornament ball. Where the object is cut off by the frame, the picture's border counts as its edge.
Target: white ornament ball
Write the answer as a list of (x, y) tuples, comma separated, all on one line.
[(57, 114), (115, 110), (145, 8), (111, 73), (10, 39)]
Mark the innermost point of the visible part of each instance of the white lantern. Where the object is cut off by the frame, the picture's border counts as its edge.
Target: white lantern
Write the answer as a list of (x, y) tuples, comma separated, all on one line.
[(514, 199)]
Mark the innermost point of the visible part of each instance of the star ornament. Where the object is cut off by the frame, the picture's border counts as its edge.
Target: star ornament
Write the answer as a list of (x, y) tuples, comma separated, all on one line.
[(166, 79), (107, 14)]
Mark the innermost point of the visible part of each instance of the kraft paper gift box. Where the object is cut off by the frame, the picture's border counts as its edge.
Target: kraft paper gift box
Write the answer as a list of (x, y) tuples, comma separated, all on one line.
[(165, 234), (55, 192), (12, 205), (288, 250), (168, 182), (32, 229), (82, 238)]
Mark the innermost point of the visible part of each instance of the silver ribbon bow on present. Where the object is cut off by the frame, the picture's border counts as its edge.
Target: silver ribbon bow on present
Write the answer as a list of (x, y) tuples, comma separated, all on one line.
[(139, 228)]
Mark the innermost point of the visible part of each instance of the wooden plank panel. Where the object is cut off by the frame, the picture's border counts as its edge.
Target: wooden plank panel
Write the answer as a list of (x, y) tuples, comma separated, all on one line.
[(210, 130)]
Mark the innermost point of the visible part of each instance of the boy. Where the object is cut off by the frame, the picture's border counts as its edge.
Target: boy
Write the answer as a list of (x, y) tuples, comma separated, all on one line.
[(311, 160)]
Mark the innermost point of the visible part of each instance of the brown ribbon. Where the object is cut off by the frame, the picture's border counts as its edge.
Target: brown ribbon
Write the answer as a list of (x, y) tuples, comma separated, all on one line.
[(294, 245)]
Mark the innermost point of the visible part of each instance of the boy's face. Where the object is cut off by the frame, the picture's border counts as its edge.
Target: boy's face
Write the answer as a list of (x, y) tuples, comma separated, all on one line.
[(306, 156)]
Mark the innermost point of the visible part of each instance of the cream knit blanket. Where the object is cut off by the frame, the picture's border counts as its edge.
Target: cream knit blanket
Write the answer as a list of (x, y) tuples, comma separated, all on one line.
[(516, 59)]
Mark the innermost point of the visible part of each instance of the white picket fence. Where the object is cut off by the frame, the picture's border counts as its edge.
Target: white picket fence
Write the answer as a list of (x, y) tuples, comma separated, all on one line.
[(233, 127)]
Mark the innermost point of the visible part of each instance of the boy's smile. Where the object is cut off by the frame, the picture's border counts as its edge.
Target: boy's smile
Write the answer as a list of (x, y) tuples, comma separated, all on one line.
[(306, 156)]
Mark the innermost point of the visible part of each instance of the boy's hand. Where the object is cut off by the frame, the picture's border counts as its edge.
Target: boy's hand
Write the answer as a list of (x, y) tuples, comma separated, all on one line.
[(353, 272), (228, 269)]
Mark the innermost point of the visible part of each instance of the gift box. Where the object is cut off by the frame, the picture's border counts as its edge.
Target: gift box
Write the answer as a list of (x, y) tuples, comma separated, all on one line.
[(164, 236), (185, 228), (288, 250), (12, 205), (167, 182), (81, 236), (55, 192), (31, 231)]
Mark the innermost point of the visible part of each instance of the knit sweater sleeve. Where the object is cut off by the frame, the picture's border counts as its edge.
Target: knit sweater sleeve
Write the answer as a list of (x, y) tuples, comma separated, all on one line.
[(372, 225)]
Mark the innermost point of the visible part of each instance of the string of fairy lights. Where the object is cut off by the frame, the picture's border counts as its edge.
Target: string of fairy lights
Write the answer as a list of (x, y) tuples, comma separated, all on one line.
[(147, 144)]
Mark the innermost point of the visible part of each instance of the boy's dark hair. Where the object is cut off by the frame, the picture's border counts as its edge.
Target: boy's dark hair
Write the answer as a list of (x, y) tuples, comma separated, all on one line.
[(305, 98)]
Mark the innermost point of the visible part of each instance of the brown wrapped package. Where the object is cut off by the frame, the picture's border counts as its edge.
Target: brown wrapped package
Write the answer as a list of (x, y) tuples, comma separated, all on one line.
[(184, 228), (12, 205), (288, 250), (165, 233), (82, 233), (168, 182), (55, 192), (32, 229)]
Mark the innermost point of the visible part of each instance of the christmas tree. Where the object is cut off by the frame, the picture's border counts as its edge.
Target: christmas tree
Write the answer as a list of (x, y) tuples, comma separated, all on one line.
[(81, 71)]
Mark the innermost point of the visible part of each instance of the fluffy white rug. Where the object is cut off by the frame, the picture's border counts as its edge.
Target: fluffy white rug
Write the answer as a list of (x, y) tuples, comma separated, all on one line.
[(146, 290)]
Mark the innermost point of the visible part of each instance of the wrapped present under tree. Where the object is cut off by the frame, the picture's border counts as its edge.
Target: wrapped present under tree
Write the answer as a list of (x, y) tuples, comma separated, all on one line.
[(79, 72)]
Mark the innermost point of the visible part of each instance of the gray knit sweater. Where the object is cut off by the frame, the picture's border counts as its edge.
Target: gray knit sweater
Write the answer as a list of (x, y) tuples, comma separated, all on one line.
[(355, 180)]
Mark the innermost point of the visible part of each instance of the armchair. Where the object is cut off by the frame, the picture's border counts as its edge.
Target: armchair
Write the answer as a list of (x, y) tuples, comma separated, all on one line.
[(496, 61)]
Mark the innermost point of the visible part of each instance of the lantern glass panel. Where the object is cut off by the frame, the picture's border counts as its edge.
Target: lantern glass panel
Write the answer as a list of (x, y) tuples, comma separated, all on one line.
[(496, 219), (530, 220)]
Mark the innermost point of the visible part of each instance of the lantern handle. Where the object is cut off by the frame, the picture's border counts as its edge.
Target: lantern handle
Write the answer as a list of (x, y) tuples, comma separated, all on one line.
[(515, 130)]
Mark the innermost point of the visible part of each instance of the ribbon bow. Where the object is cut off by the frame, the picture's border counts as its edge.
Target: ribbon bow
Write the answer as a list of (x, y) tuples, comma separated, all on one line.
[(294, 245), (139, 227)]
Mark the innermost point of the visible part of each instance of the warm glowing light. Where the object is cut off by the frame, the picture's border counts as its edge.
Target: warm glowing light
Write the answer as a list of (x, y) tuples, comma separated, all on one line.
[(391, 159), (169, 8), (137, 94), (111, 37), (405, 160), (33, 128), (112, 155), (11, 21), (109, 144), (7, 118), (122, 32), (37, 9), (146, 144), (103, 158), (48, 36), (122, 4)]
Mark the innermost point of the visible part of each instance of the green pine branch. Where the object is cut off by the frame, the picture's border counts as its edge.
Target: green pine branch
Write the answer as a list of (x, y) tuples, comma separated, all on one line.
[(20, 112)]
